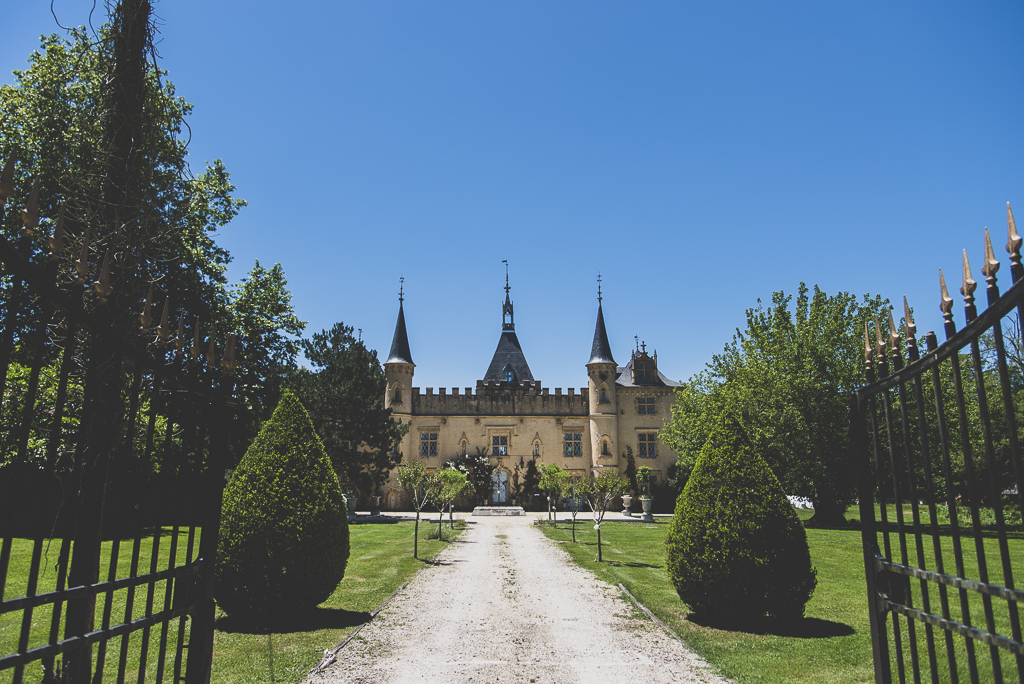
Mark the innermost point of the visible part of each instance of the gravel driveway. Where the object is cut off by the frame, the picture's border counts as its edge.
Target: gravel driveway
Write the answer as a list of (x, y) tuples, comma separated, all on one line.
[(505, 604)]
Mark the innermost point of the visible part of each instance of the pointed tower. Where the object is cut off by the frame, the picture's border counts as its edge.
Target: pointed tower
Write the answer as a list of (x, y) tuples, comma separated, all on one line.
[(604, 412), (509, 362), (399, 368)]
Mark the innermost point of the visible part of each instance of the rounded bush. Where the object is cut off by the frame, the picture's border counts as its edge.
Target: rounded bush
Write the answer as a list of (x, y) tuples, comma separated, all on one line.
[(736, 548), (284, 528)]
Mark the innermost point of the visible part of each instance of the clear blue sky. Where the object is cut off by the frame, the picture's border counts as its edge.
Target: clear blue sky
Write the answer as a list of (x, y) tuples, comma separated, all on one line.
[(698, 155)]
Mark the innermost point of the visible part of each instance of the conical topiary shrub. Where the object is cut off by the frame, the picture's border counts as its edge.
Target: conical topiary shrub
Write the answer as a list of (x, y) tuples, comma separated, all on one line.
[(736, 548), (284, 529)]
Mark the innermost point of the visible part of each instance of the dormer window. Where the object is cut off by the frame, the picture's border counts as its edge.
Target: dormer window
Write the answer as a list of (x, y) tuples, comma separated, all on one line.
[(509, 373), (643, 372)]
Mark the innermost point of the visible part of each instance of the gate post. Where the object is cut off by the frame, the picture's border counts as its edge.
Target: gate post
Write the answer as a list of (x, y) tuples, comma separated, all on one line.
[(199, 668)]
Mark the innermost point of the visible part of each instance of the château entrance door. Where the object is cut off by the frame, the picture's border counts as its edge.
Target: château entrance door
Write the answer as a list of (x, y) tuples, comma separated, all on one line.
[(500, 480)]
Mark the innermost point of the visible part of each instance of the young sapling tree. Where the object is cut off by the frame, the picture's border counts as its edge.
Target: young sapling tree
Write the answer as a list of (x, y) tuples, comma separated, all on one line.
[(421, 488), (576, 489), (552, 482), (605, 487)]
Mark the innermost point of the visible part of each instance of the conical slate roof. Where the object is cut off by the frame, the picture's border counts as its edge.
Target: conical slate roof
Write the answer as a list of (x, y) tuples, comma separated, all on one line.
[(601, 351), (508, 353), (400, 342)]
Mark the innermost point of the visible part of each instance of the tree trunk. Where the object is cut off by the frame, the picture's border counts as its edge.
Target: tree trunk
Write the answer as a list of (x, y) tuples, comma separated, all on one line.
[(416, 536), (599, 559)]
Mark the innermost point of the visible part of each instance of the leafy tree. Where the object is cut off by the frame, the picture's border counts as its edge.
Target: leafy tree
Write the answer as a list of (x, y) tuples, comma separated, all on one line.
[(66, 120), (552, 482), (98, 128), (630, 471), (736, 547), (451, 485), (478, 470), (284, 529), (421, 488), (345, 391), (643, 476), (524, 486), (260, 309), (576, 490), (603, 488), (786, 380)]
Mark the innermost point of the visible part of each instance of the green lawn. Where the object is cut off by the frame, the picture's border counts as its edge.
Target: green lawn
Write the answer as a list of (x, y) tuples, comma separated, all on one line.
[(832, 644), (381, 560)]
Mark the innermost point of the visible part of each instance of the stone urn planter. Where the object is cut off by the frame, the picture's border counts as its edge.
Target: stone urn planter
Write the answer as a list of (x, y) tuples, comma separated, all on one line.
[(350, 505), (375, 505), (647, 502), (627, 499)]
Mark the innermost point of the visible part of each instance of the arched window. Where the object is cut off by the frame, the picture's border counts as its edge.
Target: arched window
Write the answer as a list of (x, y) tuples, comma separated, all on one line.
[(604, 395), (536, 449), (396, 397), (464, 445), (605, 448)]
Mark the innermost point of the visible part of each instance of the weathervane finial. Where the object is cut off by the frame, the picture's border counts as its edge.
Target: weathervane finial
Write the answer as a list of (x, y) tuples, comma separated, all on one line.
[(401, 289), (599, 287), (507, 288)]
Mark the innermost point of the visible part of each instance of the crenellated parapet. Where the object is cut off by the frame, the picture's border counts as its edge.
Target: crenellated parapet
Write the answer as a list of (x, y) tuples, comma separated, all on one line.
[(499, 398)]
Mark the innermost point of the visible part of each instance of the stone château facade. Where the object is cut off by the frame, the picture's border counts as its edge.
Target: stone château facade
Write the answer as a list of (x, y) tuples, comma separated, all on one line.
[(511, 417)]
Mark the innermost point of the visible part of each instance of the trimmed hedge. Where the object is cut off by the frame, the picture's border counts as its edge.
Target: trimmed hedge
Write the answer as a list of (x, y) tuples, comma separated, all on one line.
[(736, 548), (284, 528)]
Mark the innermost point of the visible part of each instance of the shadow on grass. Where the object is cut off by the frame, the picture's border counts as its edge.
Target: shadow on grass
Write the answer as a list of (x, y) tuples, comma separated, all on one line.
[(625, 564), (308, 620), (800, 628)]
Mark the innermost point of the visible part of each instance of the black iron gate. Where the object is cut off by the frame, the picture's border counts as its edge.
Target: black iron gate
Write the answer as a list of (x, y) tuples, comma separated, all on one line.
[(940, 493), (106, 562)]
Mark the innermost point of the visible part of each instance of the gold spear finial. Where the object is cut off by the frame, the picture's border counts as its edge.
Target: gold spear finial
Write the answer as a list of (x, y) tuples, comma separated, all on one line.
[(969, 285), (879, 342), (911, 326), (228, 361), (193, 352), (146, 318), (991, 266), (82, 263), (102, 285), (57, 239), (946, 302), (7, 181), (30, 214), (1014, 241), (894, 337), (162, 330), (867, 347), (179, 339)]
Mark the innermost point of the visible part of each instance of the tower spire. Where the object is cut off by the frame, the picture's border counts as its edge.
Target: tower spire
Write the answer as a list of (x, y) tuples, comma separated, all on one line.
[(400, 342), (601, 350), (506, 308)]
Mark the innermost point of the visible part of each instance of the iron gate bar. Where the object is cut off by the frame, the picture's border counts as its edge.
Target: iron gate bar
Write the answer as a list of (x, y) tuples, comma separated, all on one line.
[(98, 588), (77, 642), (994, 640), (950, 580), (965, 613)]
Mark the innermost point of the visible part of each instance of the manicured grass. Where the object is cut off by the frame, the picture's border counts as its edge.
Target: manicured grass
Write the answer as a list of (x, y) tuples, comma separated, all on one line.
[(832, 644), (380, 561)]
